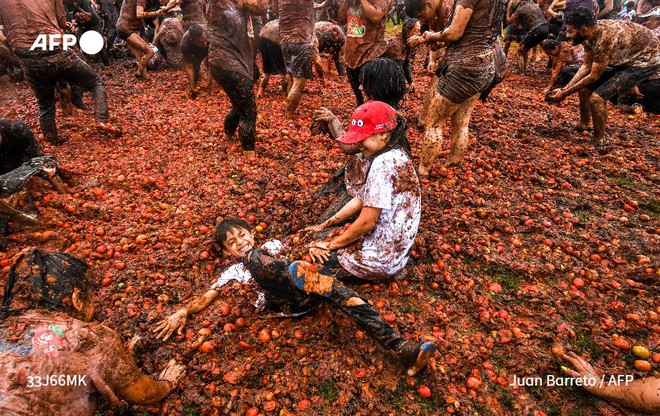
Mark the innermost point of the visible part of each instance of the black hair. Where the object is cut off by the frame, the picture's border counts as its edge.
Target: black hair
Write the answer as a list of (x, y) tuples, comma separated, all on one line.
[(383, 80), (581, 17), (550, 44), (398, 138), (408, 25), (415, 7), (225, 226), (46, 280), (196, 31)]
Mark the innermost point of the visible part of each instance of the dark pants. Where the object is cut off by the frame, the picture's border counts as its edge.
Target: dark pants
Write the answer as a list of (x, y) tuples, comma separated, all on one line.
[(298, 282), (353, 75), (44, 69), (243, 114)]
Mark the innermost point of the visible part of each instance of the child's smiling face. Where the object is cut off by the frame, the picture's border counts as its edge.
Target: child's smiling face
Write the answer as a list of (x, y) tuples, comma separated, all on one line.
[(237, 242)]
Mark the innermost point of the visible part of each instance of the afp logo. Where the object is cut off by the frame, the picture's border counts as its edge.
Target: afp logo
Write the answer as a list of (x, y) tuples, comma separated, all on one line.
[(91, 42)]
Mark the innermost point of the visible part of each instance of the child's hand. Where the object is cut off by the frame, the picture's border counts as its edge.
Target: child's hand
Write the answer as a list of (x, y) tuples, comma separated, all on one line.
[(174, 322)]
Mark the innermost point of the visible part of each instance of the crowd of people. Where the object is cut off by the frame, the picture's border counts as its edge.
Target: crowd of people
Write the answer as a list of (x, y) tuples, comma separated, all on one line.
[(601, 50)]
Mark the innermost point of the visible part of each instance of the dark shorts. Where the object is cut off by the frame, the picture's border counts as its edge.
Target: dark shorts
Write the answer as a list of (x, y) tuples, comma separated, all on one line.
[(458, 82), (620, 79), (123, 34), (514, 33), (298, 59), (271, 57), (535, 37)]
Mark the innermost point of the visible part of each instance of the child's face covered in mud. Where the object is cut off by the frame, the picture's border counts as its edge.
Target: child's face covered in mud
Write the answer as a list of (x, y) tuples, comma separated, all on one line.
[(237, 242)]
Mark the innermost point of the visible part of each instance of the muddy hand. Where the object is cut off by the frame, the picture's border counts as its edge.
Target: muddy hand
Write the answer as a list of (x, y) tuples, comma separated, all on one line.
[(172, 373), (313, 228), (323, 114), (582, 368), (174, 322)]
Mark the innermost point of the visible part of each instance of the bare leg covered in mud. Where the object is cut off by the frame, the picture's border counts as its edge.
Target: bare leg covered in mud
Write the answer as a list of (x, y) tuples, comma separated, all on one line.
[(585, 111), (598, 108), (433, 84), (294, 96), (142, 53), (460, 122), (263, 84), (440, 109), (319, 68)]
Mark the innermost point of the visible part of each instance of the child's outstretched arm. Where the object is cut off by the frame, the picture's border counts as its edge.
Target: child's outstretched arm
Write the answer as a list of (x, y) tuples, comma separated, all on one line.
[(177, 320)]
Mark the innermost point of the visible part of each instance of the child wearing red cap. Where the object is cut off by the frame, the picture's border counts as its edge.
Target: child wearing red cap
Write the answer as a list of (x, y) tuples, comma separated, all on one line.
[(386, 196)]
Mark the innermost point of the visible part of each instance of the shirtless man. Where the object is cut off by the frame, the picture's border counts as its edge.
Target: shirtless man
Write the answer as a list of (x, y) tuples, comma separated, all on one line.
[(630, 50), (195, 50), (24, 21), (129, 28), (55, 342)]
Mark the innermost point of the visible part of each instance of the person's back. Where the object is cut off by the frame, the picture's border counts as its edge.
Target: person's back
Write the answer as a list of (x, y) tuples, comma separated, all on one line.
[(530, 16), (25, 20), (54, 364)]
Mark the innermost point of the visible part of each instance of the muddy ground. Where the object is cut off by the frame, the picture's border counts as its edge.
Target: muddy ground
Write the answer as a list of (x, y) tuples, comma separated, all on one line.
[(538, 240)]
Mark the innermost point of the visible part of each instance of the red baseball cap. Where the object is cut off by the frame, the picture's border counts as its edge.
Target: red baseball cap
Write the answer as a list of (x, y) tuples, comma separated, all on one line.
[(370, 118)]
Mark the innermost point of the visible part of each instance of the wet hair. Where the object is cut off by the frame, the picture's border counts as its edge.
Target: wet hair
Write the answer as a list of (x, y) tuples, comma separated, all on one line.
[(550, 44), (408, 25), (196, 31), (415, 7), (581, 17), (46, 280), (398, 138), (225, 226), (382, 80)]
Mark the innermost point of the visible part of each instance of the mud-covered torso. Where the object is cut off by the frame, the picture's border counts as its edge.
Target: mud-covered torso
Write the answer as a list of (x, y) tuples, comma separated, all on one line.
[(296, 21), (128, 20), (193, 13), (621, 43), (365, 40), (38, 349), (231, 36), (25, 20)]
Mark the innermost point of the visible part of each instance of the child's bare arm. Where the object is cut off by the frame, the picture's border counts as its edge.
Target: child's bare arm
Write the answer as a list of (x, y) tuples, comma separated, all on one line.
[(177, 320)]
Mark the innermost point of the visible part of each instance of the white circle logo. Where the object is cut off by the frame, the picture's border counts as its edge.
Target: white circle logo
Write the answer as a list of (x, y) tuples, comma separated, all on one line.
[(91, 42)]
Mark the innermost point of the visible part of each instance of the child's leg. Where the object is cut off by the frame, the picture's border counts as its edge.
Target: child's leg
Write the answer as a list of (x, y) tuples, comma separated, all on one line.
[(306, 278)]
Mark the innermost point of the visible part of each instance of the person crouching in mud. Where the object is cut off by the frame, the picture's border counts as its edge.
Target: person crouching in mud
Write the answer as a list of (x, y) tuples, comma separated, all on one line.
[(293, 288), (53, 358)]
